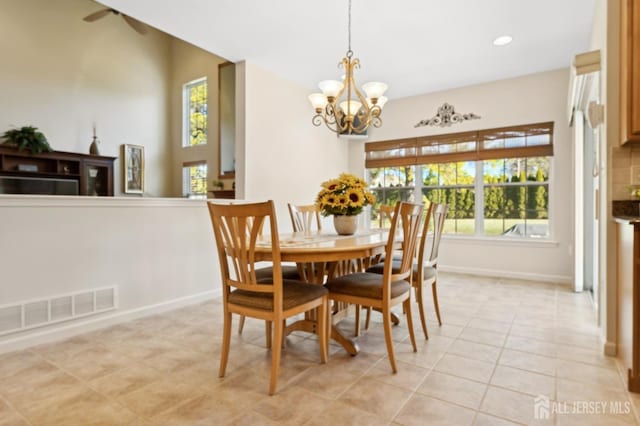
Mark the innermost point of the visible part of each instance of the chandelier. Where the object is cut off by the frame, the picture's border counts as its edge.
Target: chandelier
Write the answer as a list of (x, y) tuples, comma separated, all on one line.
[(342, 106)]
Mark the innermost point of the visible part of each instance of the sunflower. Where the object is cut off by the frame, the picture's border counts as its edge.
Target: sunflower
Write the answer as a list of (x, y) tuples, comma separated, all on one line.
[(332, 185), (355, 196), (371, 199), (330, 200), (346, 195)]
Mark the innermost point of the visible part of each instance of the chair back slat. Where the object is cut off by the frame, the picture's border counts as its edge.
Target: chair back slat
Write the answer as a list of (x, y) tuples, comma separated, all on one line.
[(386, 212), (409, 216), (302, 217), (423, 240), (237, 229), (439, 217)]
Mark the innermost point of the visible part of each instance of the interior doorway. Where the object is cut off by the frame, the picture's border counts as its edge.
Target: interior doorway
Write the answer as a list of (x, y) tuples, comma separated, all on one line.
[(587, 118), (591, 185)]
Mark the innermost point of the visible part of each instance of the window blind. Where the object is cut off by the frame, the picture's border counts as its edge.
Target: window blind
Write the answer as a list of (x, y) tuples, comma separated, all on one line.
[(529, 140)]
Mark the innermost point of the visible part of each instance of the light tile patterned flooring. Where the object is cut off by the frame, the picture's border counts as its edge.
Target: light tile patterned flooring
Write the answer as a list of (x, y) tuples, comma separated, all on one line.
[(503, 342)]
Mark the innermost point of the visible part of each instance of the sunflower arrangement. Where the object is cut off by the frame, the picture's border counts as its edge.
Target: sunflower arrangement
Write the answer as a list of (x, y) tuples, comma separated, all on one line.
[(346, 195)]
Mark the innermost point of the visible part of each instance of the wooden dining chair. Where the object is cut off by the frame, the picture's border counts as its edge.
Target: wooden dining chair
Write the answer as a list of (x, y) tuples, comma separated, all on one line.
[(302, 217), (383, 291), (430, 270), (289, 272), (425, 269), (385, 214), (237, 230)]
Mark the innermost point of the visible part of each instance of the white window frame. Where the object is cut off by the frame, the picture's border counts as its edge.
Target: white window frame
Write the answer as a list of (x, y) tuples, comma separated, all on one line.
[(479, 206), (186, 180), (186, 125)]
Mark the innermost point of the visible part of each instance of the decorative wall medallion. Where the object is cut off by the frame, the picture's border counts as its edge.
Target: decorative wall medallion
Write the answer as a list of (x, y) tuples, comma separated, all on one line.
[(447, 116)]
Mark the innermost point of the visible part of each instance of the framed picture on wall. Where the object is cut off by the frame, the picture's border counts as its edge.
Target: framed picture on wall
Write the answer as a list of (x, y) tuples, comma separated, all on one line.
[(133, 166)]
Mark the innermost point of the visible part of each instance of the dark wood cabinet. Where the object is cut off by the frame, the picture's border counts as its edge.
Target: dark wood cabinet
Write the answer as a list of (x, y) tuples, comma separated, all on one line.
[(224, 193), (628, 270), (57, 172), (630, 72)]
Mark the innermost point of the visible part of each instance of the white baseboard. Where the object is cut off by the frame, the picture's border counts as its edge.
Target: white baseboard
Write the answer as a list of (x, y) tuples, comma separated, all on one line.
[(69, 329), (557, 279), (610, 349)]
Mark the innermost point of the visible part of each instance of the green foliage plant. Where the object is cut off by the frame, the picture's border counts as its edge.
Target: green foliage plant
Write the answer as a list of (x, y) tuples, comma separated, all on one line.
[(27, 137)]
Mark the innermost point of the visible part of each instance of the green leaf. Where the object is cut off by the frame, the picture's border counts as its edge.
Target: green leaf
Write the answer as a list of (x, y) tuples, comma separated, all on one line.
[(27, 137)]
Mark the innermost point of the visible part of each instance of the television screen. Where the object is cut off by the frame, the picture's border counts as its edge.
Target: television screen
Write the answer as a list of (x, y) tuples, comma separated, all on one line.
[(38, 186)]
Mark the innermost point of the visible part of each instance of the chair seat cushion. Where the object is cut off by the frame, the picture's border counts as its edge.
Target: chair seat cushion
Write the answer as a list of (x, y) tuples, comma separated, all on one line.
[(289, 272), (295, 293), (428, 273), (365, 284)]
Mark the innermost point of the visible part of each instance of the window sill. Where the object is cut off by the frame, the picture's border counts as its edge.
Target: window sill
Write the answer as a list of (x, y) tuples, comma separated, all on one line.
[(194, 146), (527, 242)]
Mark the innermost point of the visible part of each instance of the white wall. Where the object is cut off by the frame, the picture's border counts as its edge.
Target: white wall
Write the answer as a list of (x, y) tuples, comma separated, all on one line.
[(62, 75), (285, 158), (159, 252), (524, 100)]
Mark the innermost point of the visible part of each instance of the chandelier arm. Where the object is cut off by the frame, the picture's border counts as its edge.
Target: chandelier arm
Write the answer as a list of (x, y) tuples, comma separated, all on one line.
[(331, 124), (331, 114), (344, 63), (333, 118), (361, 97), (318, 119), (334, 129)]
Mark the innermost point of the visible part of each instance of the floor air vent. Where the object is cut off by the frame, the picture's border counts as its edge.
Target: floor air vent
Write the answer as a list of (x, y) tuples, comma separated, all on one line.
[(41, 312)]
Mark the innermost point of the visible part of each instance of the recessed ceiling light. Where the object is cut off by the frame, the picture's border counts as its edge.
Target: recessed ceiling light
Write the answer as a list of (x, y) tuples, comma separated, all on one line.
[(502, 40)]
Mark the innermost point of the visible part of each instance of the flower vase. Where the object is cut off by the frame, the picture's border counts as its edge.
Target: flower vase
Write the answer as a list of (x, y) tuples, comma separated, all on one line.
[(345, 224), (93, 149)]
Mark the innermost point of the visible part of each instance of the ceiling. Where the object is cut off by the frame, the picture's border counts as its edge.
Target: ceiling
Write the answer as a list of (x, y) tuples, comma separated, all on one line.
[(415, 46)]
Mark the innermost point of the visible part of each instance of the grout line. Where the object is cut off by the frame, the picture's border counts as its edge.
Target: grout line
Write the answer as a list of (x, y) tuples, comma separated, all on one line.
[(15, 410), (495, 366)]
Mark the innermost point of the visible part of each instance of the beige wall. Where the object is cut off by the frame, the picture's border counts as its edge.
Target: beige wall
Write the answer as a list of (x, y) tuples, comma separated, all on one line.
[(523, 100), (62, 74), (190, 63), (283, 156)]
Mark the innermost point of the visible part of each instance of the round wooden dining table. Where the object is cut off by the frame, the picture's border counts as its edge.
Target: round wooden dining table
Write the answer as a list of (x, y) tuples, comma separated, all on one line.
[(321, 254)]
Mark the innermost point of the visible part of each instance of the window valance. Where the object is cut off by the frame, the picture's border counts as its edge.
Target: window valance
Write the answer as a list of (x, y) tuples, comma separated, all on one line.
[(529, 140)]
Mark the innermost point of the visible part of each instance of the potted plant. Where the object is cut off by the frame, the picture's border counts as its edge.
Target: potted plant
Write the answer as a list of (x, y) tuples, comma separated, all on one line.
[(218, 184), (344, 198), (27, 137)]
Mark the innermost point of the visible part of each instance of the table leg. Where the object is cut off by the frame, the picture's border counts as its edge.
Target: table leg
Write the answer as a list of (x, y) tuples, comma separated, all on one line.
[(310, 325), (349, 345), (315, 272)]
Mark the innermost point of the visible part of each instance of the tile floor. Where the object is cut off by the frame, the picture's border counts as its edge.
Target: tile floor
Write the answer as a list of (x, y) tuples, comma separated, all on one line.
[(503, 342)]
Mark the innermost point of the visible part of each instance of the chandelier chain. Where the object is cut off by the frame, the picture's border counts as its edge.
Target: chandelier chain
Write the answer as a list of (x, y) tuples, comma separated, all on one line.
[(349, 51)]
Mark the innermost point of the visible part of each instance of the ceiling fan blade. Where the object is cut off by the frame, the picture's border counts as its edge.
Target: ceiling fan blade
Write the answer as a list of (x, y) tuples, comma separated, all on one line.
[(97, 15), (136, 25)]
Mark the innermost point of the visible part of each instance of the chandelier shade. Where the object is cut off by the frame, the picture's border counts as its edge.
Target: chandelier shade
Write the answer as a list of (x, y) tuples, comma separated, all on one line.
[(341, 106)]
